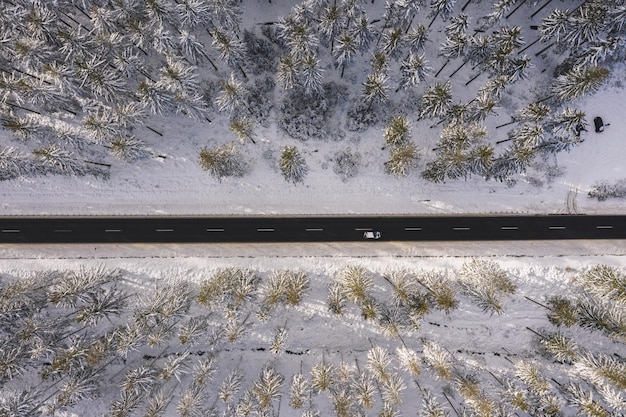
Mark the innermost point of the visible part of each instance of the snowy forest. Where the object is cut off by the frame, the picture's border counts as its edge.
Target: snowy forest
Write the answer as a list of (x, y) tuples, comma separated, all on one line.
[(84, 82), (476, 339)]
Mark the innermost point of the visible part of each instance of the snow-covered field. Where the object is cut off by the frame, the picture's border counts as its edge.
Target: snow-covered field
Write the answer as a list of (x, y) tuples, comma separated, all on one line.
[(484, 347)]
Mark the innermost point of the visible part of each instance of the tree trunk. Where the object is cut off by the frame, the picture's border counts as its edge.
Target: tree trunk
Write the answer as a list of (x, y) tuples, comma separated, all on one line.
[(473, 78), (528, 46), (506, 124), (433, 21), (541, 8), (155, 131), (514, 10), (465, 5), (545, 49), (459, 68), (442, 67)]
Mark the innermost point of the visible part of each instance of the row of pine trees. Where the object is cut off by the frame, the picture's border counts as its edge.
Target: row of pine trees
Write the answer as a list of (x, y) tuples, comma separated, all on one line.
[(93, 338), (84, 79)]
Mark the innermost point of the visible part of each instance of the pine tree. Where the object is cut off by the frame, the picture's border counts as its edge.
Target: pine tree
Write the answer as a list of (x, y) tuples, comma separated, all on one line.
[(60, 159), (378, 363), (279, 338), (409, 361), (14, 163), (375, 88), (287, 73), (193, 12), (438, 359), (601, 369), (416, 38), (605, 281), (531, 375), (486, 283), (331, 21), (362, 31), (436, 100), (347, 47), (292, 165), (392, 388), (232, 97), (311, 75), (230, 386), (364, 390), (322, 377), (585, 401), (231, 49), (356, 282), (579, 81), (298, 391), (242, 127), (555, 25), (603, 316), (562, 311), (223, 161), (414, 70), (154, 97), (587, 23), (431, 407), (563, 348), (130, 149), (403, 158), (397, 131), (533, 112), (441, 8), (191, 401)]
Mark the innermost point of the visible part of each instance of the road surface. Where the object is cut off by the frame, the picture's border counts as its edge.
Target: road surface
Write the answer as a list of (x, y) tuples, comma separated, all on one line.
[(306, 229)]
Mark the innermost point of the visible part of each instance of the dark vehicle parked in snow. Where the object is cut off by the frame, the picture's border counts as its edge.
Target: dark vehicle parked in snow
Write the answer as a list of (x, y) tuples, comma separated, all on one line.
[(599, 124)]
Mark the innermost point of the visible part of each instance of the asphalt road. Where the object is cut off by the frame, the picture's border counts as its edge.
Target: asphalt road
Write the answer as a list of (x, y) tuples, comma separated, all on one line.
[(306, 229)]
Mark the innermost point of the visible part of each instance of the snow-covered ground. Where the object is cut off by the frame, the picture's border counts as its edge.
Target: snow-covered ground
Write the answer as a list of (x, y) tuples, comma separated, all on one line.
[(486, 346), (177, 185)]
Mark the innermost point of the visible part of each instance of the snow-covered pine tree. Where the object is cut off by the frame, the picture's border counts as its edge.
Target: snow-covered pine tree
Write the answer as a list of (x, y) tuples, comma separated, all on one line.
[(192, 13), (391, 390), (375, 88), (391, 41), (279, 338), (223, 161), (587, 405), (600, 369), (587, 23), (232, 97), (287, 72), (431, 407), (436, 100), (533, 112), (292, 165), (601, 315), (416, 38), (231, 385), (397, 131), (486, 283), (347, 47), (605, 281), (530, 373), (298, 391), (60, 159), (311, 75), (379, 363), (14, 163), (562, 311), (336, 299), (403, 158), (441, 8), (555, 26), (243, 128), (331, 23), (322, 377), (409, 360), (438, 359), (356, 282), (154, 97), (191, 400), (561, 347), (414, 69), (129, 148), (232, 50), (579, 81), (441, 291), (363, 32)]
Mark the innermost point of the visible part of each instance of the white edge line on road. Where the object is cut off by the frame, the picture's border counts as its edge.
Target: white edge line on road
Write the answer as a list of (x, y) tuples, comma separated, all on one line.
[(214, 230), (412, 229), (62, 230), (164, 230), (112, 230), (460, 228), (314, 230), (604, 227), (10, 230), (363, 229), (265, 230), (509, 228), (557, 227)]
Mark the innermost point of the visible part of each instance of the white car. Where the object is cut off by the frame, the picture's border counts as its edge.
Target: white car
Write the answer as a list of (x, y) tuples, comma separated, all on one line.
[(372, 235)]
